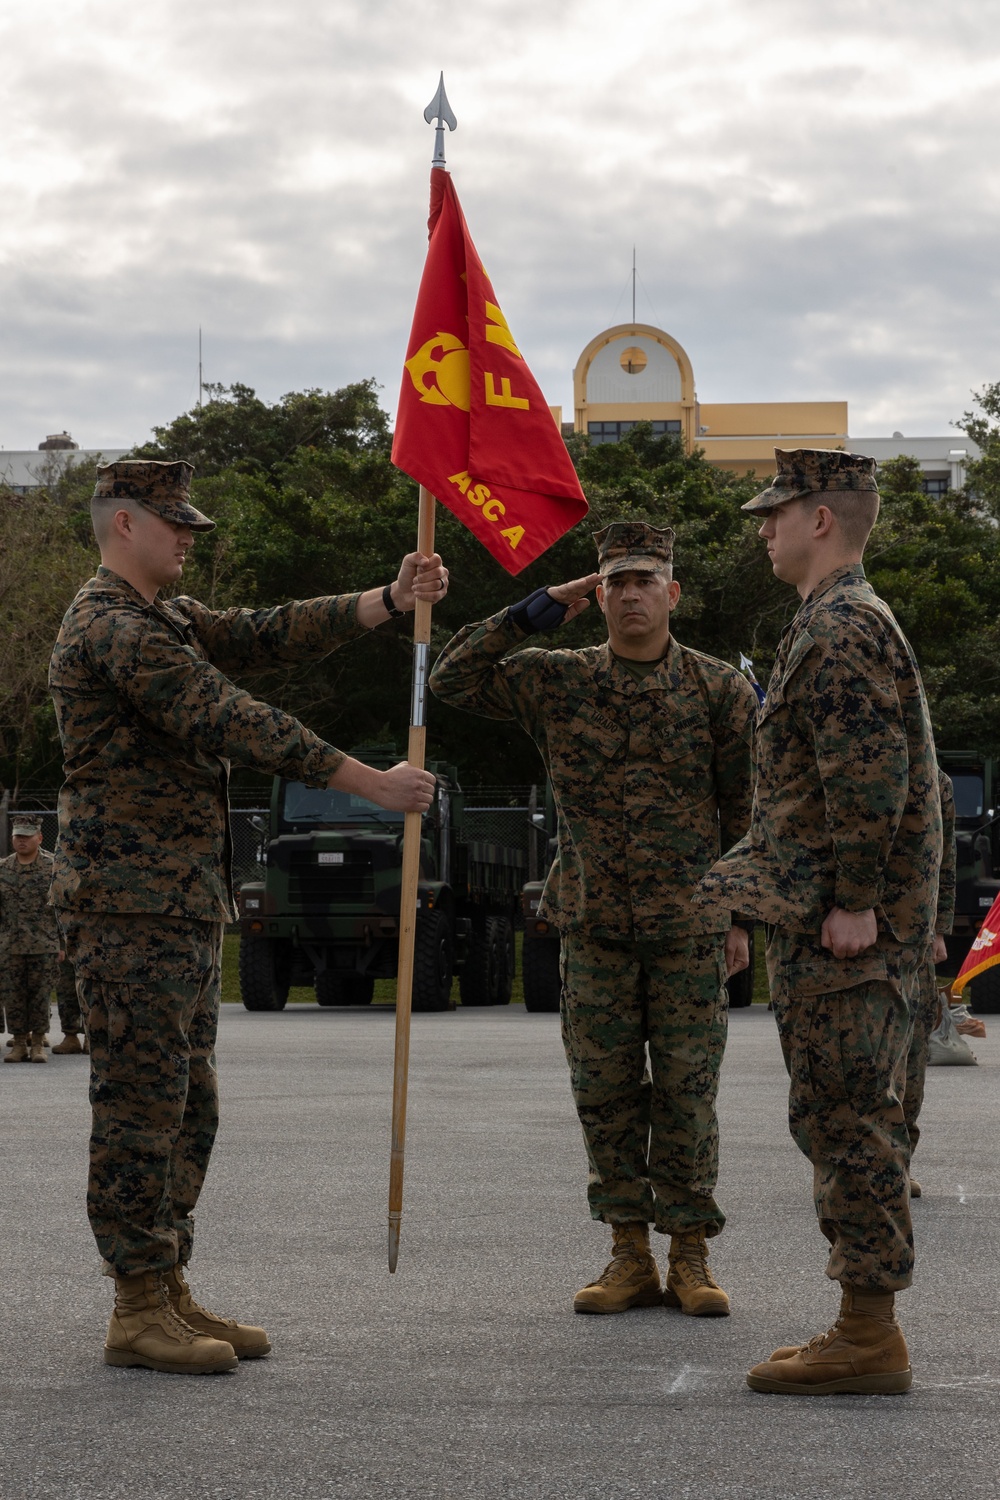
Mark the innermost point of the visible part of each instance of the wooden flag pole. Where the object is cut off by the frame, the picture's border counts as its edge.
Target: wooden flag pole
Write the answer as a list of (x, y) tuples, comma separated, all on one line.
[(412, 829)]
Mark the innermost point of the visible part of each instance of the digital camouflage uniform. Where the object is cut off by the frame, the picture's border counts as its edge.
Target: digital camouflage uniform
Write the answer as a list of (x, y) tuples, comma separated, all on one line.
[(67, 999), (647, 775), (846, 813), (928, 999), (149, 722), (29, 943)]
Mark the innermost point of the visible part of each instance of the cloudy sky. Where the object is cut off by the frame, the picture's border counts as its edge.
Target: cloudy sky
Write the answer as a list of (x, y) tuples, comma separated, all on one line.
[(811, 187)]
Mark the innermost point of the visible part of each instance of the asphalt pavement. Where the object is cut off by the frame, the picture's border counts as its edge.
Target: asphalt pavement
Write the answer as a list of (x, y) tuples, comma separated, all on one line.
[(466, 1375)]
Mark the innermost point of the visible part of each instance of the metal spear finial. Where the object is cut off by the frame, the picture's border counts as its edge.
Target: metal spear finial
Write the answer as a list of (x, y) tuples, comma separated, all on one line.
[(439, 109)]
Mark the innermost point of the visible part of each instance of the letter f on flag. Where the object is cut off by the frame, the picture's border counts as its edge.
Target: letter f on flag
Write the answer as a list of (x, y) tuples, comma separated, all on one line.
[(473, 426)]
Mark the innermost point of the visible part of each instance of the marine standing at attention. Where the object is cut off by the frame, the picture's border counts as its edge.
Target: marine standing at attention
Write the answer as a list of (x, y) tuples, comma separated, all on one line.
[(842, 859), (647, 745), (149, 722), (29, 940)]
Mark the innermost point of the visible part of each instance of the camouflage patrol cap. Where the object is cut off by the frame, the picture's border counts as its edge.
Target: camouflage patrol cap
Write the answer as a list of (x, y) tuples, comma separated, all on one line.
[(814, 471), (25, 825), (633, 547), (163, 488)]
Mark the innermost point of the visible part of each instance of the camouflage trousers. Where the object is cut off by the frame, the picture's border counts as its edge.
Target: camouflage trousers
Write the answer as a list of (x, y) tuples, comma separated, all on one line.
[(844, 1026), (924, 1021), (149, 988), (27, 991), (644, 1028), (67, 1000)]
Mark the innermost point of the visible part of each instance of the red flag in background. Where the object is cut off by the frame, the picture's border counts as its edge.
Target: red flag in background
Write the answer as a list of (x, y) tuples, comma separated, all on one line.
[(473, 426), (984, 953)]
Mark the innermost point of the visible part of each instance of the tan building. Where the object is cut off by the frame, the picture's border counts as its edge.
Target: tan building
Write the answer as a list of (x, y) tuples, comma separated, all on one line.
[(637, 373)]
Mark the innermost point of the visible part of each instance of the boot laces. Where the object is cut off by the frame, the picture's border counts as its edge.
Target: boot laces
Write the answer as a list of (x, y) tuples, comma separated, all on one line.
[(691, 1262), (621, 1266)]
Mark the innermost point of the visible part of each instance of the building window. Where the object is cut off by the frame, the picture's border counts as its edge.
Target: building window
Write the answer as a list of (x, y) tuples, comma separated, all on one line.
[(613, 432), (633, 360), (936, 485)]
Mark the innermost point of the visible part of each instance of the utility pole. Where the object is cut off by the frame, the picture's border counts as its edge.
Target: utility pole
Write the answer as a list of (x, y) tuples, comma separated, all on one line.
[(199, 355)]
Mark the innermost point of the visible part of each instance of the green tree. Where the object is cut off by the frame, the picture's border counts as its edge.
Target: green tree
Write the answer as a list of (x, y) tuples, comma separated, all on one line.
[(983, 427), (42, 564)]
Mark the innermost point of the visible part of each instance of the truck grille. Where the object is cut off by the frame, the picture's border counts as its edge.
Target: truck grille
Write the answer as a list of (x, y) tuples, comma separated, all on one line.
[(313, 884)]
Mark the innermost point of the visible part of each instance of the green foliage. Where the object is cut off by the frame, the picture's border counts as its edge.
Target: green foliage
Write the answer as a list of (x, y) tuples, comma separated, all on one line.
[(42, 563), (236, 429), (983, 427), (936, 561)]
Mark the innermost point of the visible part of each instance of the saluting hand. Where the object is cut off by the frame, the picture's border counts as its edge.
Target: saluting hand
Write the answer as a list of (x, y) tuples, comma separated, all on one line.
[(574, 594)]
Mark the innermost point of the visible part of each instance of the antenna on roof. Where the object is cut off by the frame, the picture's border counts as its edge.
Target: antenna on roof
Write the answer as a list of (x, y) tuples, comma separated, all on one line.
[(199, 361)]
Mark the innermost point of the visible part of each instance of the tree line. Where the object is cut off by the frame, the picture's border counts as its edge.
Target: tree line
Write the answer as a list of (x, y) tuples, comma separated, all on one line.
[(308, 502)]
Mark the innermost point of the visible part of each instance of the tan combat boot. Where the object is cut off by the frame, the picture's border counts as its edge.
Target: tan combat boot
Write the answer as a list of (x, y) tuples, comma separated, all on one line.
[(630, 1279), (863, 1353), (916, 1191), (690, 1284), (69, 1044), (18, 1050), (144, 1330), (248, 1341), (37, 1048)]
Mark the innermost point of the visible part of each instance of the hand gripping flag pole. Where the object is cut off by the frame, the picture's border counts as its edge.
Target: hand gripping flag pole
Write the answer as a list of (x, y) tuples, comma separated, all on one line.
[(440, 110)]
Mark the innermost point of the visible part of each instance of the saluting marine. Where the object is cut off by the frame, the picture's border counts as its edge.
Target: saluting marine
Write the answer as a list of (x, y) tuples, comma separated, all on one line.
[(647, 745), (149, 721), (842, 859)]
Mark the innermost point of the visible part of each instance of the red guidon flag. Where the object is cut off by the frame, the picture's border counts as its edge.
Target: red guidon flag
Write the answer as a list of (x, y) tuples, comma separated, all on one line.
[(984, 953), (473, 426)]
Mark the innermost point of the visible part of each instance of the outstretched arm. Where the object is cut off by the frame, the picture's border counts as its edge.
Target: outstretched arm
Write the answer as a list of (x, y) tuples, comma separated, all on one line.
[(419, 577), (245, 640)]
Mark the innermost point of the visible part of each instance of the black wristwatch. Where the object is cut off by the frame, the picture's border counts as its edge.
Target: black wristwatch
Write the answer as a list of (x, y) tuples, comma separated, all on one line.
[(395, 614)]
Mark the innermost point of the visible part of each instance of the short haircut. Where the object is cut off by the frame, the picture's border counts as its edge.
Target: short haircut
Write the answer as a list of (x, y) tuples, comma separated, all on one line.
[(855, 512), (103, 509)]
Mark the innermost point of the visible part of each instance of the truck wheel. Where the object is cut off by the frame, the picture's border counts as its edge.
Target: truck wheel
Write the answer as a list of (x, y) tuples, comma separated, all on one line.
[(740, 987), (265, 972), (343, 989), (481, 979), (986, 992), (540, 973), (508, 959), (433, 964)]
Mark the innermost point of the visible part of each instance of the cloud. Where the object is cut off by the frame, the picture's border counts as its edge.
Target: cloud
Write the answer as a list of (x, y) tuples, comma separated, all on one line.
[(809, 189)]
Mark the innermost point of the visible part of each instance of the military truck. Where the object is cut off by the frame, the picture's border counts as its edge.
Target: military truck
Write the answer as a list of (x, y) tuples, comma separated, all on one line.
[(326, 913), (540, 948), (977, 862)]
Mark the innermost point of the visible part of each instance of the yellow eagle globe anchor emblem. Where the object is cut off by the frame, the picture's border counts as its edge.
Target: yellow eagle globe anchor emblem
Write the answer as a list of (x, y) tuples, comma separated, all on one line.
[(440, 371)]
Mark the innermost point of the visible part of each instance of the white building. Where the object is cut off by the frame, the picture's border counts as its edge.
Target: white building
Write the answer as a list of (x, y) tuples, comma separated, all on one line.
[(942, 460), (34, 468)]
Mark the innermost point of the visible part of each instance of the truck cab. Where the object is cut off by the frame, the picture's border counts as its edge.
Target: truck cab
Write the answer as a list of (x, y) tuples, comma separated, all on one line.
[(326, 912)]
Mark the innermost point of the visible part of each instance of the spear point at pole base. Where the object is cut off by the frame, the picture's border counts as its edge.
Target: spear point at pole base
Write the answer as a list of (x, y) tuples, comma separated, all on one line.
[(393, 1242)]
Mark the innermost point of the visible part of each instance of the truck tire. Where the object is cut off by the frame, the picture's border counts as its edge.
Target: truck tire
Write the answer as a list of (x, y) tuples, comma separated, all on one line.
[(986, 992), (343, 989), (508, 959), (433, 962), (740, 987), (481, 979), (540, 974), (265, 972)]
